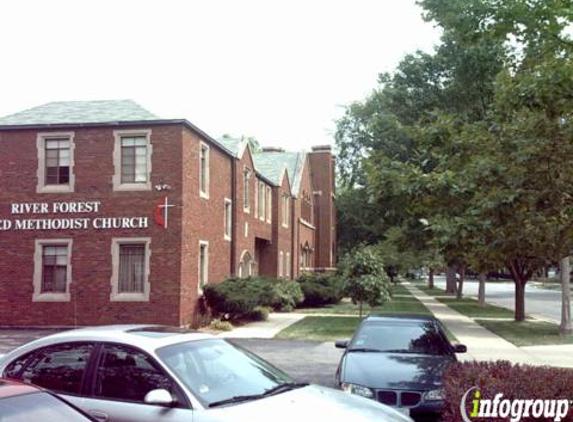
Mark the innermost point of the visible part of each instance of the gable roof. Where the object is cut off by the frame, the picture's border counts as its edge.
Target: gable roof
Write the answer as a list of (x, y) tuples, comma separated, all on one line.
[(70, 112), (273, 163), (236, 146)]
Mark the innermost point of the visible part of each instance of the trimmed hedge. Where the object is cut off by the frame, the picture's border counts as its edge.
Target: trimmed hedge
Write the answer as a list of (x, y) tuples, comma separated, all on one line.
[(320, 289), (513, 381), (238, 298)]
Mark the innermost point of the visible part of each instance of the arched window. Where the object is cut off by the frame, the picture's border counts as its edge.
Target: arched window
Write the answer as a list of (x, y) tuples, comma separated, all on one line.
[(246, 265)]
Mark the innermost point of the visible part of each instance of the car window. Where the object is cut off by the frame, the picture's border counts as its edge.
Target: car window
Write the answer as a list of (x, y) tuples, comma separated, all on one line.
[(416, 337), (59, 368), (38, 407), (215, 370), (15, 367), (125, 373)]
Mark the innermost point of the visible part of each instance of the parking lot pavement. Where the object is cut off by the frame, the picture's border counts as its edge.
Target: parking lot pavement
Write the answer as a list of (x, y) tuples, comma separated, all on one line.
[(304, 360), (12, 338)]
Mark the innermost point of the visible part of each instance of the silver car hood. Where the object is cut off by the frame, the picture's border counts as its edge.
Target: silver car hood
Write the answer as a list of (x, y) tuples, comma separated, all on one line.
[(308, 404)]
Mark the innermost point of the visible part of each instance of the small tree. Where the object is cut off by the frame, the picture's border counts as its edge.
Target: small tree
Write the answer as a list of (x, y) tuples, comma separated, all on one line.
[(364, 277)]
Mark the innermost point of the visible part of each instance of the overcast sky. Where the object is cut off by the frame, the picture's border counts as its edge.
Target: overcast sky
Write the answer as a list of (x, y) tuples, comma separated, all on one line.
[(280, 71)]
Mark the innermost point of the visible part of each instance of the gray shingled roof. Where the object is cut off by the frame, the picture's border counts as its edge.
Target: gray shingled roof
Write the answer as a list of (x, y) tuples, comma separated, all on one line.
[(271, 165), (231, 144), (70, 112)]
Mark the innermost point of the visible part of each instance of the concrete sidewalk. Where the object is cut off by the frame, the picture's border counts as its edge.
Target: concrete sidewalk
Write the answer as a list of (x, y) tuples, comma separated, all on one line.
[(264, 329), (481, 343)]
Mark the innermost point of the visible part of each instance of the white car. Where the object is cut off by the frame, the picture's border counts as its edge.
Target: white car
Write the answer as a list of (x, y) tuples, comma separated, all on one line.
[(156, 373)]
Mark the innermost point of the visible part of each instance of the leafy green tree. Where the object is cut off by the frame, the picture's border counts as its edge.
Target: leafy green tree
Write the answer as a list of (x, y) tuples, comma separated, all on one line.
[(364, 277)]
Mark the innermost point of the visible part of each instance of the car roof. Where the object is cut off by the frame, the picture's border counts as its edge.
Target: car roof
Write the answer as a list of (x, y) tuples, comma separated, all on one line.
[(11, 388), (401, 318), (145, 337)]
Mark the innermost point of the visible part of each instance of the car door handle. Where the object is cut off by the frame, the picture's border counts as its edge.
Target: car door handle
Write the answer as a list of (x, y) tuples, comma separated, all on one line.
[(100, 416)]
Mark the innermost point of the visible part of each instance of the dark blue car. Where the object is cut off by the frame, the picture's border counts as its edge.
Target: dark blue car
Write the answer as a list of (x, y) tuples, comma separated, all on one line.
[(398, 360)]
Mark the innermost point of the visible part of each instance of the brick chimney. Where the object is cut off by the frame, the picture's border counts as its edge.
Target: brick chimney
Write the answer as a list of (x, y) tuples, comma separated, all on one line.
[(322, 168)]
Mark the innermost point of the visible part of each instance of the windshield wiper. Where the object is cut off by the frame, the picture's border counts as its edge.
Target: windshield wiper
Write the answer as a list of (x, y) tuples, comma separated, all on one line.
[(365, 350), (236, 399), (281, 388)]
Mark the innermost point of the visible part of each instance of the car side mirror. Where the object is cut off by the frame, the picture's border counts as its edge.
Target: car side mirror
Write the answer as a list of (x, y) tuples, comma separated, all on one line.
[(460, 348), (159, 397), (341, 344)]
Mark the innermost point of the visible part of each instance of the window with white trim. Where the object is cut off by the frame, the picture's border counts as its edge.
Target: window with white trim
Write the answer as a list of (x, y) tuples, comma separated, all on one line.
[(130, 269), (246, 265), (285, 210), (132, 160), (203, 264), (287, 264), (261, 201), (281, 262), (53, 270), (228, 219), (246, 190), (55, 162), (269, 204), (204, 171)]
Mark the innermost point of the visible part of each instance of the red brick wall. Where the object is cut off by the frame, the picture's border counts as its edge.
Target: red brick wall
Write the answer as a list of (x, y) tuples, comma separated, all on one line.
[(203, 219), (322, 171), (256, 228), (91, 252), (303, 232)]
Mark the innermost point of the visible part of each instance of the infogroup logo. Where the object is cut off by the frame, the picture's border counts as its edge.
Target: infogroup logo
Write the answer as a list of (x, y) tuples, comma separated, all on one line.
[(514, 410)]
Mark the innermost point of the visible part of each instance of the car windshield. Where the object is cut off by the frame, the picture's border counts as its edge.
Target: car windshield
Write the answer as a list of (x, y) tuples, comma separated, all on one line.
[(421, 337), (38, 407), (215, 370)]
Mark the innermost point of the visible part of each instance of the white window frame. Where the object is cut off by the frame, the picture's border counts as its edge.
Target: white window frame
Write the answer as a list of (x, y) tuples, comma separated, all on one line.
[(263, 199), (115, 296), (246, 190), (41, 139), (117, 183), (38, 296), (204, 193), (269, 204), (200, 282), (281, 262), (228, 222), (285, 210), (287, 265)]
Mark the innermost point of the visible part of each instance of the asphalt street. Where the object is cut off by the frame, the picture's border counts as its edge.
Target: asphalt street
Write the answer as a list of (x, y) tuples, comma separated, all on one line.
[(538, 301)]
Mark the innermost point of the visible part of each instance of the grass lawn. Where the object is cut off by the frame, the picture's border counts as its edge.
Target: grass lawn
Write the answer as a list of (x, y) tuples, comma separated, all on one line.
[(468, 306), (321, 328), (405, 303), (528, 333)]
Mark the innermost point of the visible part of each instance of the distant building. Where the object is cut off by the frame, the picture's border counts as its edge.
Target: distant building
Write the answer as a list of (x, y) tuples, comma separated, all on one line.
[(109, 214)]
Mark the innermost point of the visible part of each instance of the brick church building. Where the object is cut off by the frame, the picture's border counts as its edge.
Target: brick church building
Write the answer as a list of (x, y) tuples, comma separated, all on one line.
[(109, 214)]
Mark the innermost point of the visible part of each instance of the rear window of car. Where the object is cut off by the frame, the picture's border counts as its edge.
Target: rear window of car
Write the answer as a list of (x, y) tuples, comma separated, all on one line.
[(38, 407)]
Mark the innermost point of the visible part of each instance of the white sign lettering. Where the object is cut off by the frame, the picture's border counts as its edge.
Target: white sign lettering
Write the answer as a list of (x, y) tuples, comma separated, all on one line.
[(73, 223)]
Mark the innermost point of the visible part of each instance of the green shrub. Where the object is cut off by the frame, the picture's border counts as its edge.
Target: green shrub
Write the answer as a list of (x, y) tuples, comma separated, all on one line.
[(320, 289), (219, 325), (238, 297), (259, 313)]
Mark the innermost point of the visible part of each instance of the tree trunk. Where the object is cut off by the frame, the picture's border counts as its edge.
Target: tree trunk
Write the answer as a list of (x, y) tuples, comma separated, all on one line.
[(460, 288), (481, 290), (431, 279), (450, 280), (565, 327), (360, 309), (519, 300)]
